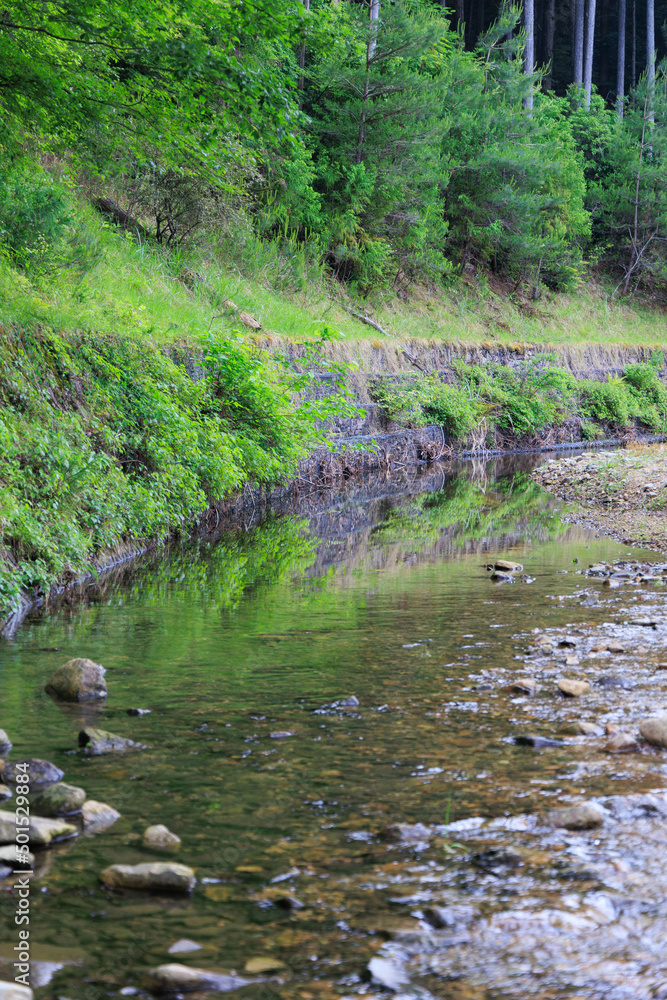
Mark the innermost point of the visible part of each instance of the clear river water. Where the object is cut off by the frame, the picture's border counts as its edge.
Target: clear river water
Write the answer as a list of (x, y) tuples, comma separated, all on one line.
[(282, 799)]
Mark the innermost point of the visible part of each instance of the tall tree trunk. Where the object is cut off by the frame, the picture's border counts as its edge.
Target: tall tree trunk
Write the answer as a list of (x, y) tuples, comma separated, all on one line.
[(604, 76), (529, 55), (620, 64), (374, 9), (460, 14), (374, 16), (480, 18), (578, 67), (634, 43), (650, 55), (549, 37), (588, 62)]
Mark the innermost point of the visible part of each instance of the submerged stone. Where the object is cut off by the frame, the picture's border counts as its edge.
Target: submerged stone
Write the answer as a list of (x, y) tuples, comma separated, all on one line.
[(573, 689), (99, 741), (537, 741), (407, 833), (59, 800), (174, 978), (581, 817), (155, 875), (40, 773)]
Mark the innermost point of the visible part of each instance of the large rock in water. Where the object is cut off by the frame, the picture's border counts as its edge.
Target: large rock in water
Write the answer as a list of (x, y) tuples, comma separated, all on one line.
[(99, 741), (78, 680), (5, 742), (40, 773), (654, 731), (58, 800), (98, 816), (41, 832), (154, 875), (175, 978), (159, 838)]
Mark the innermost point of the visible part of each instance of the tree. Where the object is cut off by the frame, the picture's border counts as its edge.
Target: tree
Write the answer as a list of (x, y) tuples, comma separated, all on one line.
[(590, 39), (578, 46), (549, 39), (529, 54), (650, 53), (620, 64), (375, 128)]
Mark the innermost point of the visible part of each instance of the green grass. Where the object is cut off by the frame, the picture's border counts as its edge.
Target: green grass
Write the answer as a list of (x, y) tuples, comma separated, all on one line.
[(103, 280)]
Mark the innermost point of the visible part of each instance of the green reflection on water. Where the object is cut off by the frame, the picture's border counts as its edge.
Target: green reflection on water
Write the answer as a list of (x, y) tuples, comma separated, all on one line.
[(228, 644)]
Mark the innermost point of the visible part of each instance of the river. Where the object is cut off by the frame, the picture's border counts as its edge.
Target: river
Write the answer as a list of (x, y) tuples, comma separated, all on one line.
[(239, 649)]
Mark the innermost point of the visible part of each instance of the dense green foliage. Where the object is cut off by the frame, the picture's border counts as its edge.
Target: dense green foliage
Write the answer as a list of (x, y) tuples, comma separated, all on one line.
[(106, 440), (389, 149), (528, 400)]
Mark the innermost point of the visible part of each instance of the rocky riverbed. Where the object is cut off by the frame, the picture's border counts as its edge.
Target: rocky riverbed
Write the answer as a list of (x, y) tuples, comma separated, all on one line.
[(622, 493)]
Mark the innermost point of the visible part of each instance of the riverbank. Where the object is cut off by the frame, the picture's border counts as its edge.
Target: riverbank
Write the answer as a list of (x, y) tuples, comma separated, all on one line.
[(621, 493)]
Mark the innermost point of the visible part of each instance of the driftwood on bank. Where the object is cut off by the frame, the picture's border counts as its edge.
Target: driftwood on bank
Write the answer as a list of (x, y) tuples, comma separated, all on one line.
[(108, 207), (365, 319)]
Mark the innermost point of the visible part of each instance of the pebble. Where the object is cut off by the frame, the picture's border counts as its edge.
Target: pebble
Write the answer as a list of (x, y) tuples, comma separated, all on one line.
[(621, 743), (588, 729), (407, 833), (572, 688), (174, 978), (385, 973), (654, 731), (581, 817), (183, 946), (615, 647), (159, 838), (615, 681), (526, 685), (260, 965), (153, 875)]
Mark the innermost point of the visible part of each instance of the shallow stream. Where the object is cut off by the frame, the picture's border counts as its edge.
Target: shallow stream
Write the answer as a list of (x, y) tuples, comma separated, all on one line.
[(238, 647)]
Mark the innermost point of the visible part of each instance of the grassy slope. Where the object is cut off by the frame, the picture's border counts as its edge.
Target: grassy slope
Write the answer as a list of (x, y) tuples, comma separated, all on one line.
[(176, 299)]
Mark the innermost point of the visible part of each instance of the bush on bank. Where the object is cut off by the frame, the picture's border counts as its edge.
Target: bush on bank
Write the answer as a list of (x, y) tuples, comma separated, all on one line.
[(527, 401), (107, 440)]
